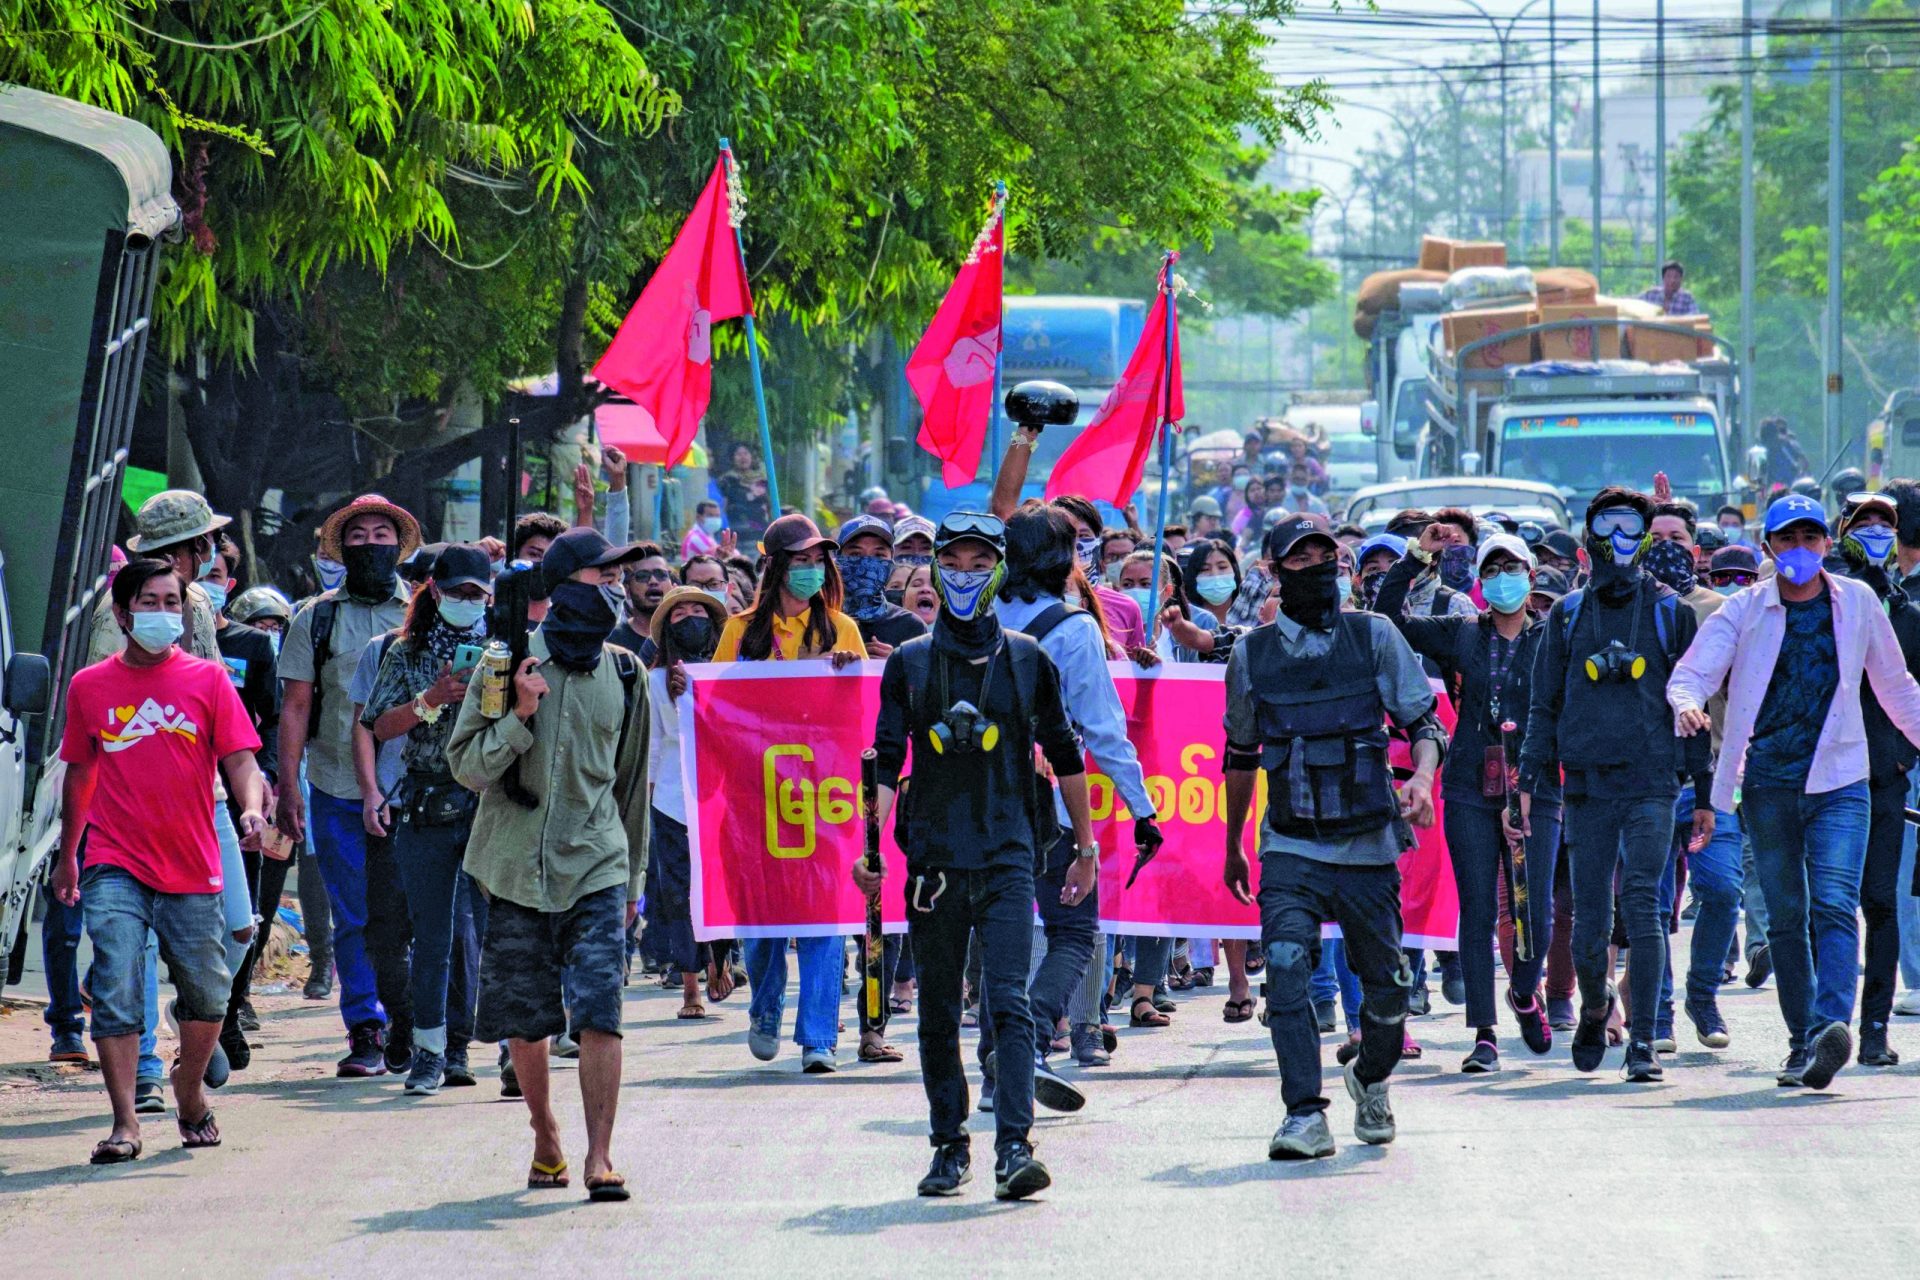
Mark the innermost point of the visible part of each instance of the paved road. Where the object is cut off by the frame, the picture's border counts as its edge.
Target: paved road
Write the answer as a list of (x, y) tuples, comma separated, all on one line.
[(742, 1167)]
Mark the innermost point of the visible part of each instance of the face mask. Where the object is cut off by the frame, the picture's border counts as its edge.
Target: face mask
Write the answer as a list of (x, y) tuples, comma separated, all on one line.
[(1456, 568), (370, 569), (806, 580), (1798, 565), (968, 593), (866, 582), (718, 593), (1734, 532), (692, 637), (1874, 541), (156, 630), (1506, 592), (1345, 583), (275, 637), (579, 620), (896, 595), (205, 568), (1370, 590), (1310, 596), (1729, 588), (1215, 588), (330, 572), (1240, 483), (217, 593), (1113, 572), (461, 615), (1142, 597), (710, 523), (1672, 565), (1072, 598), (1087, 550)]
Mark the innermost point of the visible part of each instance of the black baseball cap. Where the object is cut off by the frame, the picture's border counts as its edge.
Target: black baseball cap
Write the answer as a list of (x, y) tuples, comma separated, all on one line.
[(1736, 558), (978, 525), (418, 567), (461, 564), (578, 549), (1291, 532), (1559, 542), (1550, 583)]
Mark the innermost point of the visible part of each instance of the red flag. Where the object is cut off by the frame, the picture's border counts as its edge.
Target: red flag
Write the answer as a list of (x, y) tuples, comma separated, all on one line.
[(662, 357), (951, 371), (1108, 457)]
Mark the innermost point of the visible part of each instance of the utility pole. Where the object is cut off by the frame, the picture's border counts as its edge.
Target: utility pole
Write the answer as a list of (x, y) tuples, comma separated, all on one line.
[(1599, 180), (1660, 131), (1553, 135), (1836, 190), (1747, 366)]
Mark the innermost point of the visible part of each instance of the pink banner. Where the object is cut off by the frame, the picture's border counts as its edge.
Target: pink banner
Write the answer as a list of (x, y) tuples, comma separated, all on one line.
[(771, 762)]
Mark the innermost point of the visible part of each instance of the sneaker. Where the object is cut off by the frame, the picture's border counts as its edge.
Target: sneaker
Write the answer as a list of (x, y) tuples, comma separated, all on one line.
[(1793, 1071), (1017, 1175), (1643, 1063), (1304, 1137), (396, 1047), (1760, 966), (318, 986), (1323, 1014), (249, 1020), (458, 1074), (1454, 987), (1708, 1025), (1053, 1092), (565, 1046), (1088, 1051), (1560, 1014), (818, 1062), (1590, 1037), (986, 1094), (1164, 1003), (1874, 1050), (1663, 1041), (218, 1068), (364, 1056), (1484, 1060), (952, 1169), (69, 1046), (763, 1040), (1828, 1052), (149, 1097), (1419, 1004), (1535, 1027), (429, 1071), (509, 1081), (233, 1042), (1908, 1005), (1372, 1113)]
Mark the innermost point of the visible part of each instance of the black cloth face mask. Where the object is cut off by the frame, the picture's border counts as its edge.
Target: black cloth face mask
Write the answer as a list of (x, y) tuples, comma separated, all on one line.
[(371, 568), (692, 638), (579, 620), (1311, 596)]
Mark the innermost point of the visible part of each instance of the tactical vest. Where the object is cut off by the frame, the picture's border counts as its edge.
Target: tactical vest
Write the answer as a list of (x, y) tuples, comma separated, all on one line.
[(1323, 735)]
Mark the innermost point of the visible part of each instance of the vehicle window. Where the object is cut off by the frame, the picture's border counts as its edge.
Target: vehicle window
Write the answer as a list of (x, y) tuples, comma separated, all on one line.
[(1583, 453), (1351, 449)]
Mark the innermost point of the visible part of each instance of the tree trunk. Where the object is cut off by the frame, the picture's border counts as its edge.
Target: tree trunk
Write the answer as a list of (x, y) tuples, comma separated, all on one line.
[(569, 357)]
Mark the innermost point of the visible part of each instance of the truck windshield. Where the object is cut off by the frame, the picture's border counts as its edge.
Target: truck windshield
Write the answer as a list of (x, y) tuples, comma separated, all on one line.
[(1409, 413), (1583, 453)]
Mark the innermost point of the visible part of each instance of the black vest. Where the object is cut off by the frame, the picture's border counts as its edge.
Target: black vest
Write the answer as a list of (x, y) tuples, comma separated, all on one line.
[(1323, 735)]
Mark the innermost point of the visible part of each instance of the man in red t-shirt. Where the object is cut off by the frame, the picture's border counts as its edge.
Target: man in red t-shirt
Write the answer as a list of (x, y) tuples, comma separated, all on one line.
[(144, 731)]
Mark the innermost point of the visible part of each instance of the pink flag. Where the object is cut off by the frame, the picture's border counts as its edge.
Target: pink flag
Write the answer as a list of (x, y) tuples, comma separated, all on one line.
[(1107, 458), (951, 371), (662, 357)]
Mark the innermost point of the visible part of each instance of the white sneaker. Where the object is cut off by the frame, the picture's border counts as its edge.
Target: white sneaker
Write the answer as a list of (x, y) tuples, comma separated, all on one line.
[(1908, 1005)]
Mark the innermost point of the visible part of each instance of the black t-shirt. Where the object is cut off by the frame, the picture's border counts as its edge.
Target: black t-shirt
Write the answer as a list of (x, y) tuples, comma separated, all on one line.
[(894, 627), (627, 638), (252, 664)]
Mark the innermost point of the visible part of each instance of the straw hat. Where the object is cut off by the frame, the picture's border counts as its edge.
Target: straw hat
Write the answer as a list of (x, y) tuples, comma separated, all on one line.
[(368, 504)]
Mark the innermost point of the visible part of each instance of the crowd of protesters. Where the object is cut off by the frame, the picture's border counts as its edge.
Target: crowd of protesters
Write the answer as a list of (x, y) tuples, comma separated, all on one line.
[(472, 749)]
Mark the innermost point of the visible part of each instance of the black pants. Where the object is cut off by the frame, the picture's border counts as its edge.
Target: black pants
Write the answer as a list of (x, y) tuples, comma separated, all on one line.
[(1476, 845), (1071, 933), (389, 938), (1296, 895), (1635, 835), (997, 902), (1880, 888), (244, 979)]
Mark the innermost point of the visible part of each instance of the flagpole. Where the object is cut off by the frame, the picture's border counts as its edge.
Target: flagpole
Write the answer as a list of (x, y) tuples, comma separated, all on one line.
[(1166, 441), (753, 348), (996, 414)]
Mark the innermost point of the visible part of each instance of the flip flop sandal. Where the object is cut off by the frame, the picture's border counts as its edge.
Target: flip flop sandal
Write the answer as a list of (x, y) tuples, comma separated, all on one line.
[(692, 1012), (546, 1177), (114, 1151), (1151, 1018), (1255, 963), (201, 1133), (1203, 978), (608, 1188), (1410, 1048), (1109, 1038), (880, 1053), (899, 1004), (1238, 1010)]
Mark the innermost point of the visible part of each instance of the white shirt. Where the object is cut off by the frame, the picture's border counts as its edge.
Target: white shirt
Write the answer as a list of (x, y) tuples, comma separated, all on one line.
[(663, 751), (1743, 638)]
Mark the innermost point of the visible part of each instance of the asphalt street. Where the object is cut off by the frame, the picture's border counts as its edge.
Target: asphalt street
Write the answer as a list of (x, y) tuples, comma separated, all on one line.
[(749, 1168)]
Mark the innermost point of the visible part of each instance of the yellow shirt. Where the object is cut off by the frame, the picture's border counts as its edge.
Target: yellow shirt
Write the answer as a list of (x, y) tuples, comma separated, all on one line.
[(787, 635)]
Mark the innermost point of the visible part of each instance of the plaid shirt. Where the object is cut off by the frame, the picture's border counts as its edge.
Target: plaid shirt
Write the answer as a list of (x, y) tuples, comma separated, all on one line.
[(1680, 304), (406, 671)]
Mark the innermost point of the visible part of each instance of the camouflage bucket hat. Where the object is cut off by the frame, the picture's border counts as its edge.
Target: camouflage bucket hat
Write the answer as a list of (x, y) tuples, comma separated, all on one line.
[(170, 516)]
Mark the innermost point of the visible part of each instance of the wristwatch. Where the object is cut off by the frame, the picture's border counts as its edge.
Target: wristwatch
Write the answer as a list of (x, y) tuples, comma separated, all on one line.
[(1091, 851), (426, 711)]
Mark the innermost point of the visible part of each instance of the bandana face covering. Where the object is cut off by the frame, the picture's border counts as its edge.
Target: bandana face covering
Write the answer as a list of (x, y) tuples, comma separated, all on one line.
[(865, 578), (1456, 568), (1672, 564)]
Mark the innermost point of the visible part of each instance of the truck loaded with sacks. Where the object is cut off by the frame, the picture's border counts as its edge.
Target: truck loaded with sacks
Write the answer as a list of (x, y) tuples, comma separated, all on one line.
[(1480, 368)]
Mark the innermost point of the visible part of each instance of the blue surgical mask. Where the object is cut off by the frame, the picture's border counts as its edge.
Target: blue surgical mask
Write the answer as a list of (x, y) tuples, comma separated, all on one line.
[(154, 631), (1345, 583), (1798, 565), (330, 572), (1140, 596), (205, 568), (1729, 588), (1875, 540), (1506, 592), (1214, 588), (806, 580), (718, 593), (461, 614), (710, 523), (216, 593)]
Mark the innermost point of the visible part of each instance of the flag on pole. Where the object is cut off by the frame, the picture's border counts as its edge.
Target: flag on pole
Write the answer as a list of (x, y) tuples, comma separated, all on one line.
[(1108, 458), (951, 371), (662, 356)]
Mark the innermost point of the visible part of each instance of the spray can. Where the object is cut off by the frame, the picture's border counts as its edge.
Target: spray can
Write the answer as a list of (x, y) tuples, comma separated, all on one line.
[(494, 662)]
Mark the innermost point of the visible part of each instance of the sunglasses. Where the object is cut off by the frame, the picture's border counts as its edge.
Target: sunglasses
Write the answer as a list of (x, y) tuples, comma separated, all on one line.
[(1733, 578), (649, 575)]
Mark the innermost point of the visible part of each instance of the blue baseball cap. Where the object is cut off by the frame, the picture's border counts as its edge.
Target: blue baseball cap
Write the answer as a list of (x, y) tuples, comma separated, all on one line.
[(1796, 508), (1380, 542), (860, 526)]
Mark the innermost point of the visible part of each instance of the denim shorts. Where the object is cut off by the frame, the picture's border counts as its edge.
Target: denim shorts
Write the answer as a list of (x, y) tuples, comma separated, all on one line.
[(542, 972), (192, 928)]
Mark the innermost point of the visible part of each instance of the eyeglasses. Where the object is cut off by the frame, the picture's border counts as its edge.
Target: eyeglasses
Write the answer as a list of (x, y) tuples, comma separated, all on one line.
[(1512, 567), (649, 575), (1618, 520)]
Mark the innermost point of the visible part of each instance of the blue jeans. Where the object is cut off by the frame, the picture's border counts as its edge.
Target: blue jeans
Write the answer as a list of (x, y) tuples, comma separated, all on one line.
[(121, 912), (1717, 879), (1333, 980), (1906, 905), (816, 1024), (429, 862), (340, 847), (1809, 851), (1071, 933)]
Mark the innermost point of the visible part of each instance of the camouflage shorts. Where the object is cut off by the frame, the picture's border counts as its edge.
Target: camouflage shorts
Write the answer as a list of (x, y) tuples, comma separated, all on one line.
[(542, 972)]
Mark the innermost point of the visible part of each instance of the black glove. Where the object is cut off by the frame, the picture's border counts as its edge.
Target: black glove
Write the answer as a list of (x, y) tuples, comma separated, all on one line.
[(1146, 836)]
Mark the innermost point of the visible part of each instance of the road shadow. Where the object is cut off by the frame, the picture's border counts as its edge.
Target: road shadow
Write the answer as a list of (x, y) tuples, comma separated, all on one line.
[(872, 1219), (151, 1164), (1346, 1162), (488, 1213)]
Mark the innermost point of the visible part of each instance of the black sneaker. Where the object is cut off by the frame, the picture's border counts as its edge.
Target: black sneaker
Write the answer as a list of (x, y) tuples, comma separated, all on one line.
[(1590, 1037), (1828, 1052), (1454, 987), (952, 1169), (1419, 1004), (1643, 1063), (319, 987), (1484, 1059), (249, 1020), (1759, 964), (1534, 1027), (364, 1057), (234, 1042), (458, 1074), (428, 1073), (1017, 1175), (396, 1046), (1708, 1025), (1053, 1092), (1874, 1050), (509, 1082), (1793, 1071)]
